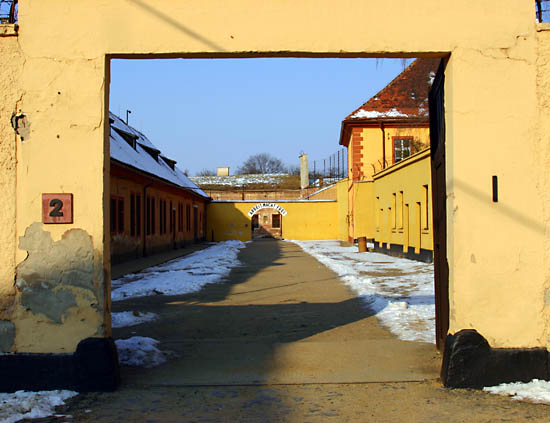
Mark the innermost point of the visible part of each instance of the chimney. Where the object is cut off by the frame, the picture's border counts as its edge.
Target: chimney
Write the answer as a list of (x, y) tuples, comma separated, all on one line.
[(304, 171), (223, 171)]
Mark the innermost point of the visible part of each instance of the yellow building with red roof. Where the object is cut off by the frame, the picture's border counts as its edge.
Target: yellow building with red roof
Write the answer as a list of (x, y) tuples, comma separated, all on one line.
[(388, 137)]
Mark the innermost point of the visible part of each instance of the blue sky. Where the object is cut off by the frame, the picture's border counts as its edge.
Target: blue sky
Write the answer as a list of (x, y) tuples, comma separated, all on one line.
[(206, 113)]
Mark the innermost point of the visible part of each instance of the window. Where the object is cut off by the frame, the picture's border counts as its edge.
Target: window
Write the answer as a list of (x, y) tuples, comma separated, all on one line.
[(113, 215), (400, 212), (402, 148), (128, 137), (153, 220), (120, 215), (275, 220), (425, 220), (135, 214), (394, 215), (180, 217), (162, 216), (117, 215), (138, 215), (188, 218), (172, 223), (377, 212), (148, 217), (132, 214)]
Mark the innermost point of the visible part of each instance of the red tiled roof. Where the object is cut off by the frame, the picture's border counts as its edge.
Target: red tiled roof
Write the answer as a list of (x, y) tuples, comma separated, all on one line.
[(406, 96)]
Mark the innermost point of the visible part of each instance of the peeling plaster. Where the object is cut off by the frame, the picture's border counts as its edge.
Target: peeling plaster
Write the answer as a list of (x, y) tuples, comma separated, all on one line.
[(47, 278), (7, 335)]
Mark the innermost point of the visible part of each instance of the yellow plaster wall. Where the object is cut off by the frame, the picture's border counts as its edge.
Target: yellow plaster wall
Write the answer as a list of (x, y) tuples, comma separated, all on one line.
[(372, 151), (498, 269), (409, 177), (421, 135), (543, 146), (128, 247), (342, 199), (372, 161), (11, 59), (363, 213), (229, 220), (305, 220), (329, 193), (496, 265)]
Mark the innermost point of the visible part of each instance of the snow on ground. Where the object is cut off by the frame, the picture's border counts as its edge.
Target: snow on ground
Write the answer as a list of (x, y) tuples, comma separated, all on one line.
[(140, 351), (131, 318), (535, 391), (31, 405), (398, 290), (180, 276)]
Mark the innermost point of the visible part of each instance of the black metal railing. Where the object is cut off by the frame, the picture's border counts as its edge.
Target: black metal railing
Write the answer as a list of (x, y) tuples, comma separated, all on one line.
[(8, 11), (542, 9), (329, 170)]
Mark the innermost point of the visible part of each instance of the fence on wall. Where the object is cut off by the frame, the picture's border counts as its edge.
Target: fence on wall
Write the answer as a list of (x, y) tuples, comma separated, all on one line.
[(8, 11), (542, 8), (330, 169)]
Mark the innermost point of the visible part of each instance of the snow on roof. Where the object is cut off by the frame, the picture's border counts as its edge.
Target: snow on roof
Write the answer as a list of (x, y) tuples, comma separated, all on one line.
[(141, 157), (240, 180), (404, 97)]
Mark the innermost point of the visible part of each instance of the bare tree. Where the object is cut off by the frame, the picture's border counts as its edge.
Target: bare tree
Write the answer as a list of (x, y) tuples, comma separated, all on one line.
[(293, 169), (261, 164), (206, 172)]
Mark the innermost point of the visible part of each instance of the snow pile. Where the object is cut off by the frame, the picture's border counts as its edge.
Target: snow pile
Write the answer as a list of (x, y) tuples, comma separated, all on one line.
[(374, 114), (180, 276), (398, 290), (535, 391), (139, 351), (31, 405), (131, 318)]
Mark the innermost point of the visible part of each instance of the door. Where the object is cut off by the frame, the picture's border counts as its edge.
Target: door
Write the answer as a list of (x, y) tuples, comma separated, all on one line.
[(195, 224), (173, 224), (439, 201)]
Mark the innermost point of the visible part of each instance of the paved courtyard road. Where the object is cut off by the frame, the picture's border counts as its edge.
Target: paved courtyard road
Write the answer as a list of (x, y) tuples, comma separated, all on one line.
[(282, 340)]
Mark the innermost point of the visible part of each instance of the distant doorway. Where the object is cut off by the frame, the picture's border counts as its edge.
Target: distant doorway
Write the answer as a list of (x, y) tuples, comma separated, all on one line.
[(267, 223)]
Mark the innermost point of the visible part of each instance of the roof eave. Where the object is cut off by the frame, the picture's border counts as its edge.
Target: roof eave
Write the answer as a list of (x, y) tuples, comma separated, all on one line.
[(349, 123), (158, 178)]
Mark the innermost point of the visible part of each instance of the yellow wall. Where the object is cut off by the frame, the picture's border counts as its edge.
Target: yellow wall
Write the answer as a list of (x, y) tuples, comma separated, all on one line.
[(543, 146), (305, 220), (495, 125), (124, 246), (326, 193), (363, 213), (12, 65), (372, 160), (342, 198), (407, 183)]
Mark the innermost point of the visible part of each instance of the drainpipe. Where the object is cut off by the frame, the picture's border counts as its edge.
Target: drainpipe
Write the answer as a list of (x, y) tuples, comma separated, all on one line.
[(145, 218), (383, 146)]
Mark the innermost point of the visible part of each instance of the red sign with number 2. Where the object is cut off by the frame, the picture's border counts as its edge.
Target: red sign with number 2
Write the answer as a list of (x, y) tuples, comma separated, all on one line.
[(57, 208)]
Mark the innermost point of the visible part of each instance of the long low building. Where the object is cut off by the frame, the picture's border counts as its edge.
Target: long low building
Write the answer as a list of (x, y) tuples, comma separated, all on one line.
[(154, 206)]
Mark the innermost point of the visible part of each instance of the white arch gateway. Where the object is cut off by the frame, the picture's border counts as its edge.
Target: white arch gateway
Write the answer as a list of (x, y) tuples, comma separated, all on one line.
[(261, 206)]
